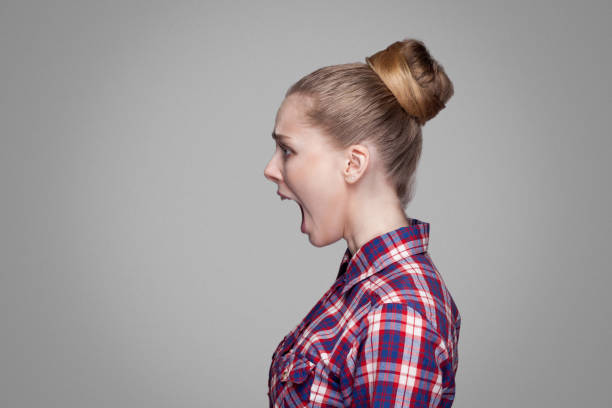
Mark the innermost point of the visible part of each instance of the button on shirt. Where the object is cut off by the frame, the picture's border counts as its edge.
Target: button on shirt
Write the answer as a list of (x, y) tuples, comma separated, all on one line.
[(384, 335)]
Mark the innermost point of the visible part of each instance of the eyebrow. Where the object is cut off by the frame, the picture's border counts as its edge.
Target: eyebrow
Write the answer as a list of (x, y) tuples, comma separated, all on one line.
[(277, 136)]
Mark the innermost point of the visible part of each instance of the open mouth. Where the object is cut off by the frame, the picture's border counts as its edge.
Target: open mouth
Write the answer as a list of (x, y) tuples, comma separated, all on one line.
[(302, 227), (283, 197), (302, 212)]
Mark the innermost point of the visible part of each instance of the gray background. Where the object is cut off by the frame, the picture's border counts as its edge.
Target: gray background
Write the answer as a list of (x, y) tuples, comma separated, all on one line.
[(146, 261)]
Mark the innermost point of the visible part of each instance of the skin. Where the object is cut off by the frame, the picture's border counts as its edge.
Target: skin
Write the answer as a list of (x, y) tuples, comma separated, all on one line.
[(344, 193)]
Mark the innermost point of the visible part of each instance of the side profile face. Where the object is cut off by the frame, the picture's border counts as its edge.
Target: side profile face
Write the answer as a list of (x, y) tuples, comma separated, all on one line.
[(309, 170)]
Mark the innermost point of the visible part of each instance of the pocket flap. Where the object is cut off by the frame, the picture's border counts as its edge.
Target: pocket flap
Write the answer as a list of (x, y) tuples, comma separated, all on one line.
[(297, 370)]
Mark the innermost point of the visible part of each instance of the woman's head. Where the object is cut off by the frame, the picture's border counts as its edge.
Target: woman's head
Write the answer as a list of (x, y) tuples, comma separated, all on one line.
[(357, 120)]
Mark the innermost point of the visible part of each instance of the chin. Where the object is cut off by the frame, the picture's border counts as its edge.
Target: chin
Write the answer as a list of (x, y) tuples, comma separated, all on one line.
[(316, 243), (321, 242)]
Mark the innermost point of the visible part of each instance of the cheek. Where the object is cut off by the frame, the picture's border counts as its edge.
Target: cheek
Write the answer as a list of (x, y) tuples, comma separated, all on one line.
[(295, 177), (315, 181), (292, 174), (329, 188)]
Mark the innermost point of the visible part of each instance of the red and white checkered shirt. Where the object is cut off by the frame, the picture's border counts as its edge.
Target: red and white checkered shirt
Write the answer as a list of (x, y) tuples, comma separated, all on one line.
[(384, 335)]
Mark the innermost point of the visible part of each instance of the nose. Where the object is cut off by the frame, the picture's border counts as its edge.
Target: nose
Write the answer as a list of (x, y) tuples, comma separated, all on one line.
[(272, 172)]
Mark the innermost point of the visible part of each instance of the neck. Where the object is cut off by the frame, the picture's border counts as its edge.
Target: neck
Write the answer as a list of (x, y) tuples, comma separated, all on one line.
[(370, 218)]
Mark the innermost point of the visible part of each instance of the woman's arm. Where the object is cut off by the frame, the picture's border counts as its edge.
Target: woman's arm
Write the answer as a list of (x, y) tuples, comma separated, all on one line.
[(397, 361)]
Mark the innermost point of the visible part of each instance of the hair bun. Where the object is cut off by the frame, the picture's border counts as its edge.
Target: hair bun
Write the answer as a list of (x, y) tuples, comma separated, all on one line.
[(417, 81)]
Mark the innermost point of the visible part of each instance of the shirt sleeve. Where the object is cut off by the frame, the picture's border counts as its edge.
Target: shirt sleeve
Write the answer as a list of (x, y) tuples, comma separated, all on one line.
[(395, 364)]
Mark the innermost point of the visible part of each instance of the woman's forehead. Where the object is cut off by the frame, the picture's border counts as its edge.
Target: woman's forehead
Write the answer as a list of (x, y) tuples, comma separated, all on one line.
[(292, 109), (291, 122)]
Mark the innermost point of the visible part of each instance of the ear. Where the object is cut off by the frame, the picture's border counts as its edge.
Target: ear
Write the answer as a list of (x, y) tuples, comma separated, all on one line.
[(357, 160)]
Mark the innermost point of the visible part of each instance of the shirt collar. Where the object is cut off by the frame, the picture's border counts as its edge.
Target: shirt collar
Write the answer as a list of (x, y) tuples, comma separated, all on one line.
[(383, 250)]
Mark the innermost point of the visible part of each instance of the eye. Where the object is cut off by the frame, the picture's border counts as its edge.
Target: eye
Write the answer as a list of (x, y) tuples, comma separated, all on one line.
[(285, 150)]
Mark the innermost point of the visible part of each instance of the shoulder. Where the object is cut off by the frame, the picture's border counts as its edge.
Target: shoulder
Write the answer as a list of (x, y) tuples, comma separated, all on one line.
[(415, 283), (409, 281)]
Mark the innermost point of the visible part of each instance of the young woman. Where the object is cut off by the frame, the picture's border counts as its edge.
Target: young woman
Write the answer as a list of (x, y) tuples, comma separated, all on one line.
[(348, 140)]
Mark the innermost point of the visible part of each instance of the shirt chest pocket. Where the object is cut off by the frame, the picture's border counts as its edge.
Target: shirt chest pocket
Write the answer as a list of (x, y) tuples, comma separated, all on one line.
[(295, 378)]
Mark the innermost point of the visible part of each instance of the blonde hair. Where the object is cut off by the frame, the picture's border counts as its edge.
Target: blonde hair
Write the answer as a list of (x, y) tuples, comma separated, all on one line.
[(385, 101)]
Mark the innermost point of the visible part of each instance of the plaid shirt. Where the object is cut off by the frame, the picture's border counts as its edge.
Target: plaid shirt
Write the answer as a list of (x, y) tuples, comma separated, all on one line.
[(384, 335)]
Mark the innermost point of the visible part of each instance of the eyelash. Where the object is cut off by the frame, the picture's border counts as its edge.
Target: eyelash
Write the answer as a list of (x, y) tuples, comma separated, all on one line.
[(284, 150)]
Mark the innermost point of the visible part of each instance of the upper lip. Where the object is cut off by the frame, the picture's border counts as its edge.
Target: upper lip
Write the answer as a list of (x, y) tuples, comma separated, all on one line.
[(282, 195)]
